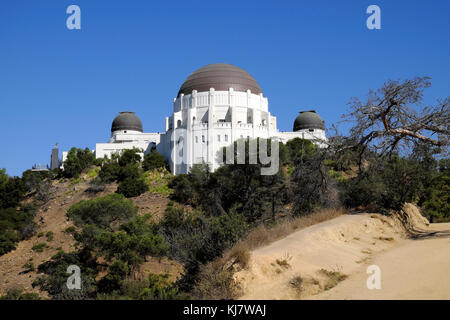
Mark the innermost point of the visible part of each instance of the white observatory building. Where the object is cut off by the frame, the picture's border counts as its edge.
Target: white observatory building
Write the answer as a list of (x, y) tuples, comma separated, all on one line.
[(216, 105)]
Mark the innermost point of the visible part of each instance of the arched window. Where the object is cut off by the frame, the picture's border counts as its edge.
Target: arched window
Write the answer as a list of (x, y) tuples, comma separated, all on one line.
[(178, 123)]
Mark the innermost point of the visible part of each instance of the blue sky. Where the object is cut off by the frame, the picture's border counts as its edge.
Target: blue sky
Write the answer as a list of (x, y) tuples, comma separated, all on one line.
[(66, 86)]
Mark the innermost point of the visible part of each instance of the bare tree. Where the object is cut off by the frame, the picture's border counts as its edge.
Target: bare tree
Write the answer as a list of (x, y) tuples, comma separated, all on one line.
[(395, 116)]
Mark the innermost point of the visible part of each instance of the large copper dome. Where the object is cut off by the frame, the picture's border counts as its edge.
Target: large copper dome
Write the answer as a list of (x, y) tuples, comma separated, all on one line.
[(221, 77)]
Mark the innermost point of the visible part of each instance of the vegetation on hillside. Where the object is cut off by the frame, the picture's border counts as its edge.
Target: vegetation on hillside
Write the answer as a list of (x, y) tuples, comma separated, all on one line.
[(394, 154)]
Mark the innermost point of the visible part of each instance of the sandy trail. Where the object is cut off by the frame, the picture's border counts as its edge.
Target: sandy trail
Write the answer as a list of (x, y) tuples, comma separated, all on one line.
[(411, 268), (416, 269)]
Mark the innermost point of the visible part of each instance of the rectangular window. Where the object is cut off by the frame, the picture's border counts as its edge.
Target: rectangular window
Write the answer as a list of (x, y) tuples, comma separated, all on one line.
[(196, 139), (226, 138), (203, 139), (218, 137)]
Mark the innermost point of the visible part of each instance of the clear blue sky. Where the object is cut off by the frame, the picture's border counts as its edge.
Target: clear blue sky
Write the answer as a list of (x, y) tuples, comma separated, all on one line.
[(66, 86)]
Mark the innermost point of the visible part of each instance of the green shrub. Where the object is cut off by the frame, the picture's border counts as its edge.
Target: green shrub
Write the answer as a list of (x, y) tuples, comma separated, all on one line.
[(110, 171), (154, 160), (8, 241), (29, 266), (112, 281), (159, 288), (102, 211), (39, 247), (130, 171), (156, 287), (70, 230), (75, 181), (93, 172), (158, 181), (132, 187), (49, 236), (183, 189), (135, 240), (18, 294), (121, 167)]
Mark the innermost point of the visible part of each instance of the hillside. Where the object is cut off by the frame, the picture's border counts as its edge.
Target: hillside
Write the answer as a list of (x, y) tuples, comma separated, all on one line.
[(329, 260), (51, 217), (232, 232)]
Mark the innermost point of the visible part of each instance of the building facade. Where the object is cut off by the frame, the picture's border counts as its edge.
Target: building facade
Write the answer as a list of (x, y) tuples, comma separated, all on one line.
[(217, 105)]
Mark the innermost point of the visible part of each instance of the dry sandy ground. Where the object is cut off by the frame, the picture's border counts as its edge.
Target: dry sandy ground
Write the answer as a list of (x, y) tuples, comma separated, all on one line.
[(416, 269), (313, 262)]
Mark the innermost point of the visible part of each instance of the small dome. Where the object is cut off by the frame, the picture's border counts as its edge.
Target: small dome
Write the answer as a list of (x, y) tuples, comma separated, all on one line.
[(221, 77), (127, 120), (308, 120)]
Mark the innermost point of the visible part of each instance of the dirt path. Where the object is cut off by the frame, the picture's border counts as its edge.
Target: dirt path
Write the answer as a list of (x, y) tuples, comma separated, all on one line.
[(329, 260), (416, 269)]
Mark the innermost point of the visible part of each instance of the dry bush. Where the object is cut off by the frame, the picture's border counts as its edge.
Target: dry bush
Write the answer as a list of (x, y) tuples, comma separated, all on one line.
[(215, 284), (296, 283), (240, 255), (284, 262), (215, 280), (334, 277), (262, 235)]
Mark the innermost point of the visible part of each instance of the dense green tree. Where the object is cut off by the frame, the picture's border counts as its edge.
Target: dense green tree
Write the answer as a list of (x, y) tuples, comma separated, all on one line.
[(55, 279), (311, 183), (16, 225), (124, 168), (32, 180), (384, 184), (130, 157), (77, 160), (110, 170), (12, 191), (154, 160), (435, 199), (241, 187)]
